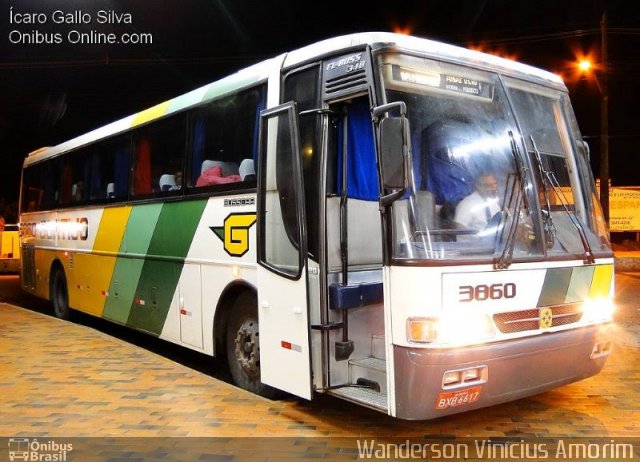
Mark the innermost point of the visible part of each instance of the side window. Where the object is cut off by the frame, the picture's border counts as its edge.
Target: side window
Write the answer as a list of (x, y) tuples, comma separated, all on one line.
[(303, 88), (224, 141), (76, 175), (158, 157), (110, 169), (32, 188)]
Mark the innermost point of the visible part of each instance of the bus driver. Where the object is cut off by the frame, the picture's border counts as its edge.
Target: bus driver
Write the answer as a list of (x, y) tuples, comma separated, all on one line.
[(475, 210)]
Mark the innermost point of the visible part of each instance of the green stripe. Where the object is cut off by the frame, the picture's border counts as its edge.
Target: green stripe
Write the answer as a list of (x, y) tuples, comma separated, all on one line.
[(184, 101), (580, 285), (554, 288), (126, 274), (168, 249), (225, 86)]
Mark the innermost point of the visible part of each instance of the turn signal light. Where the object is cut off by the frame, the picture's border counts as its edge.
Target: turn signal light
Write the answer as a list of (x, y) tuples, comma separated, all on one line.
[(421, 330)]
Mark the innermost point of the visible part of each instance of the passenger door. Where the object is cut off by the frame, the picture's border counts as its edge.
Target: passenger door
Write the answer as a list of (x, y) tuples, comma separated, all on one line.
[(283, 311)]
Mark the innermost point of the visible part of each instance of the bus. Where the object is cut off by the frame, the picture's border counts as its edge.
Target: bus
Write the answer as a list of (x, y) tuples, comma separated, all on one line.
[(9, 248), (301, 220)]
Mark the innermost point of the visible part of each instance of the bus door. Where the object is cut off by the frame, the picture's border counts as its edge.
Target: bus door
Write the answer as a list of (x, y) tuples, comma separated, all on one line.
[(283, 311)]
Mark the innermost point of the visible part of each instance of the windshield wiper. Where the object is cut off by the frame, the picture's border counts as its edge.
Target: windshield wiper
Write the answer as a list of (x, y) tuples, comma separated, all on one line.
[(548, 226), (553, 181), (519, 184)]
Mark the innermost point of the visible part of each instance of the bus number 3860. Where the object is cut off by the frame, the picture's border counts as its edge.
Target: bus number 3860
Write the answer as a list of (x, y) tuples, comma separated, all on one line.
[(484, 292)]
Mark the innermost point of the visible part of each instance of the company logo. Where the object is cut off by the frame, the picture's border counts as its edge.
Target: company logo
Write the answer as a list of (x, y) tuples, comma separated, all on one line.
[(546, 318), (235, 233), (26, 449)]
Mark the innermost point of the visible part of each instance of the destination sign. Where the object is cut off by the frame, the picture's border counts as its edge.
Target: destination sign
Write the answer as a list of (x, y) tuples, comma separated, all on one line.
[(455, 83)]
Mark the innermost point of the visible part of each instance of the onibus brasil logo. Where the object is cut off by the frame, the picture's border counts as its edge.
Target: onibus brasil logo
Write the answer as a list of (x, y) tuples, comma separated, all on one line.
[(235, 233), (34, 450)]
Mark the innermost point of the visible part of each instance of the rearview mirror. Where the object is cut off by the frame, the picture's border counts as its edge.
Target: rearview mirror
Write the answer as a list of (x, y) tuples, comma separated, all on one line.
[(585, 149), (392, 152)]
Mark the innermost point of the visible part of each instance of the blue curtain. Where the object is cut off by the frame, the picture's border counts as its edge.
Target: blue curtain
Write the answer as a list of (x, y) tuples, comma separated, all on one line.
[(262, 104), (362, 173), (121, 173), (197, 151)]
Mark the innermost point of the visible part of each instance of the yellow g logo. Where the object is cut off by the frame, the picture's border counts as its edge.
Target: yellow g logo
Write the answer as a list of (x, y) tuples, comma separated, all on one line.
[(546, 318), (235, 233)]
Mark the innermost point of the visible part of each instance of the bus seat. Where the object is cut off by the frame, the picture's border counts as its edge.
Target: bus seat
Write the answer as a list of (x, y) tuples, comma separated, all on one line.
[(167, 182), (228, 168), (111, 191), (247, 170)]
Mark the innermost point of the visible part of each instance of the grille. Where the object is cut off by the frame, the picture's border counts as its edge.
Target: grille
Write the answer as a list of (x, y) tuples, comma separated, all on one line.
[(525, 320), (351, 80)]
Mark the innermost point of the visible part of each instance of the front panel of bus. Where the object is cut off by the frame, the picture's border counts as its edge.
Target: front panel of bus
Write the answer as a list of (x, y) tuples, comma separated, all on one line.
[(500, 273)]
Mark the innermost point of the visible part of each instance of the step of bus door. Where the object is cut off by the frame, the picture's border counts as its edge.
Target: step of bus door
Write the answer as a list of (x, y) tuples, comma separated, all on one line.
[(370, 371), (362, 395)]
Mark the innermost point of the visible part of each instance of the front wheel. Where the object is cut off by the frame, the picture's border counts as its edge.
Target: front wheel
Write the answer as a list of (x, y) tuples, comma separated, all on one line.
[(243, 347), (60, 295)]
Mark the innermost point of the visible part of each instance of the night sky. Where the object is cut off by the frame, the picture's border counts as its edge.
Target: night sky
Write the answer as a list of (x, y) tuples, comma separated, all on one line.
[(50, 92)]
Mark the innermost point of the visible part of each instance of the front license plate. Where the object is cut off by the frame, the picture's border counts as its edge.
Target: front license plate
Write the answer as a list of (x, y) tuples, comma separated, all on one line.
[(458, 398)]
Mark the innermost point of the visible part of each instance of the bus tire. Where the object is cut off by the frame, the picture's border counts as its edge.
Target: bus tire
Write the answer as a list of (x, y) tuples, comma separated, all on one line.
[(243, 348), (60, 294)]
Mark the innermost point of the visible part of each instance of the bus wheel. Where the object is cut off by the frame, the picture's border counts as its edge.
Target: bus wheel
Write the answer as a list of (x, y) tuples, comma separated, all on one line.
[(243, 348), (59, 295)]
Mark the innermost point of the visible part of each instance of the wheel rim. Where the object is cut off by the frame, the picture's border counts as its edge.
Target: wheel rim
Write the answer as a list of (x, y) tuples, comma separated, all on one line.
[(247, 350)]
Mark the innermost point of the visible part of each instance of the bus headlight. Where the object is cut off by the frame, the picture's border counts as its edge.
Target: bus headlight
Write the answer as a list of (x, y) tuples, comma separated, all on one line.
[(465, 328), (598, 310), (452, 329)]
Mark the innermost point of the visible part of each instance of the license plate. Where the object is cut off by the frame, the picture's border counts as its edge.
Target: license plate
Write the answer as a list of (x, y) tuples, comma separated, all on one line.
[(458, 398)]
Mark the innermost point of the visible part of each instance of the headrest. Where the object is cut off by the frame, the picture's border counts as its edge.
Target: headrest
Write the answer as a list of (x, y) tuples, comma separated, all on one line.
[(167, 181), (246, 168)]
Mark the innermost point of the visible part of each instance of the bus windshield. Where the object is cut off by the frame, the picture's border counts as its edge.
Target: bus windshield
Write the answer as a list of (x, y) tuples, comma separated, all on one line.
[(476, 189)]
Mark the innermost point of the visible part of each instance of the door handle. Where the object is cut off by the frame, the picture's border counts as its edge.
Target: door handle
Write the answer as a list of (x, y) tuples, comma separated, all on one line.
[(297, 310)]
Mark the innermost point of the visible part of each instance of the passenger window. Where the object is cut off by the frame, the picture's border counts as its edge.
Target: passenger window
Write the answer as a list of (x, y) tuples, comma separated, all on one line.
[(158, 157), (110, 169), (76, 175), (224, 141)]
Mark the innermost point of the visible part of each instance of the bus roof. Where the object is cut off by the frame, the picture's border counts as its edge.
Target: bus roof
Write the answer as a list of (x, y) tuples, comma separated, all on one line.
[(259, 72)]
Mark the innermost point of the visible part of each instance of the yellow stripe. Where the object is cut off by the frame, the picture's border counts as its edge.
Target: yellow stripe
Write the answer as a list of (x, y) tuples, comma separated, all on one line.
[(601, 285), (98, 269), (152, 113)]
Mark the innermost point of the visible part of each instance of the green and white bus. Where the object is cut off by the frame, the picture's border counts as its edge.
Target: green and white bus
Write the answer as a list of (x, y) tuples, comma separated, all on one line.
[(303, 219)]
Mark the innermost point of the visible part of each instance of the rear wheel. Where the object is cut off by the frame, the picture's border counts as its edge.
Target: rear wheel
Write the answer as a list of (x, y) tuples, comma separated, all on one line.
[(243, 347), (60, 295)]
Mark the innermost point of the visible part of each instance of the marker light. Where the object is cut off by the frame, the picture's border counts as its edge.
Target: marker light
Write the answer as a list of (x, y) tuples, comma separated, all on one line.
[(421, 330), (465, 377)]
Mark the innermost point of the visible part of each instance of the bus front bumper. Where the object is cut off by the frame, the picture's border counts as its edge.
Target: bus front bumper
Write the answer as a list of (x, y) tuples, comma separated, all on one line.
[(511, 370)]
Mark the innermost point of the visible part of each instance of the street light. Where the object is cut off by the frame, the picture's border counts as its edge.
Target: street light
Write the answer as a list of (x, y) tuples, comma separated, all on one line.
[(584, 65)]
